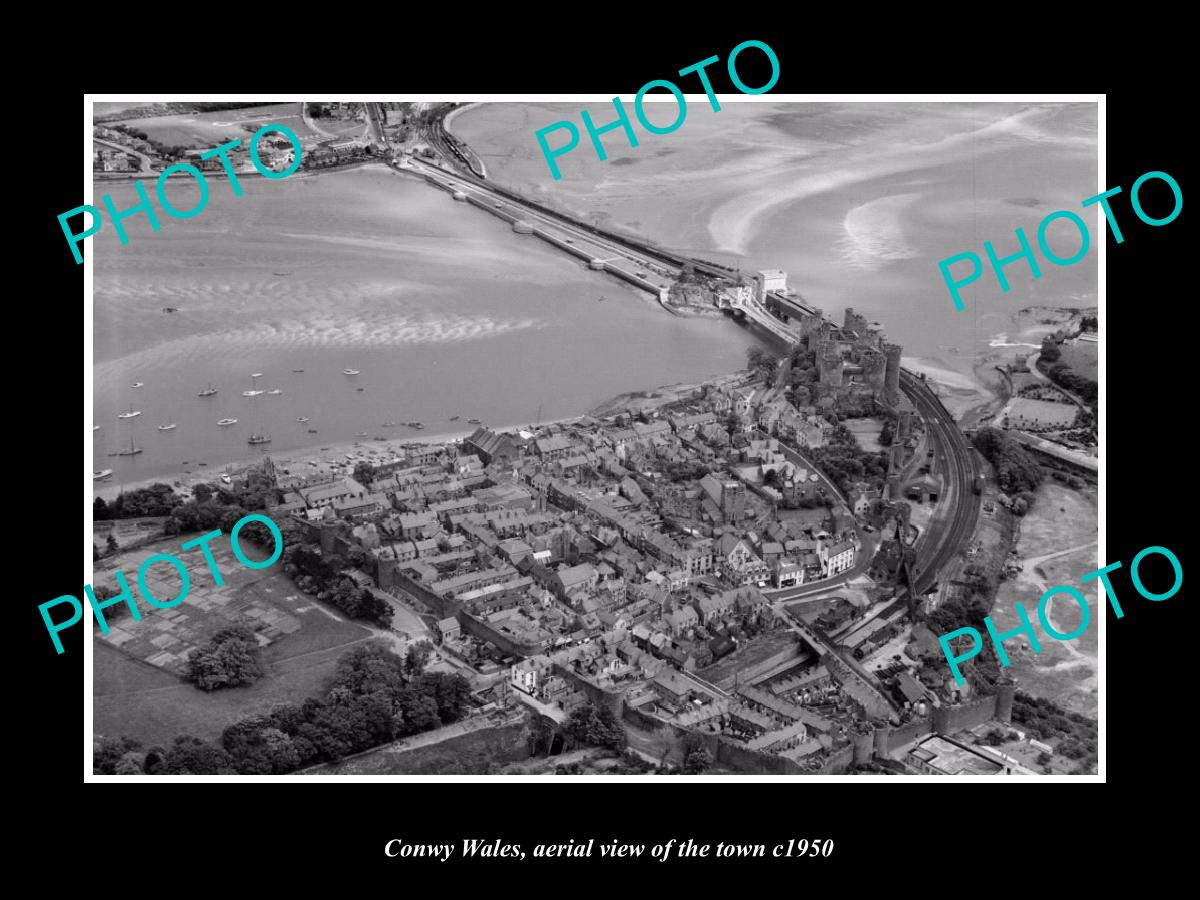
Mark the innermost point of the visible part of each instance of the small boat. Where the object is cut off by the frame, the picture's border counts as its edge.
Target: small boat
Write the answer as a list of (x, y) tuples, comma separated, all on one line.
[(129, 415), (170, 309), (349, 458), (360, 434), (256, 374), (95, 428), (350, 372), (358, 389), (297, 371), (274, 393), (312, 431), (258, 439), (170, 426), (227, 422), (414, 424), (474, 422), (251, 393), (138, 384), (281, 274), (101, 474), (208, 391), (388, 425), (132, 451), (302, 418), (454, 418)]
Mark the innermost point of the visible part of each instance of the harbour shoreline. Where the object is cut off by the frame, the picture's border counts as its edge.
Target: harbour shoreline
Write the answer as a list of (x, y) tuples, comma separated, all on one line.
[(367, 449)]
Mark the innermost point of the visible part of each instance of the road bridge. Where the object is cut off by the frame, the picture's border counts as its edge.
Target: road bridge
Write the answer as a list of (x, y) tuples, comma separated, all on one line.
[(646, 266), (787, 307), (757, 313)]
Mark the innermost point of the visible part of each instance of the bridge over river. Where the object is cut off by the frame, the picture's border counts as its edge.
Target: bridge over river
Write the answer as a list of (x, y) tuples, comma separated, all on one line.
[(641, 264)]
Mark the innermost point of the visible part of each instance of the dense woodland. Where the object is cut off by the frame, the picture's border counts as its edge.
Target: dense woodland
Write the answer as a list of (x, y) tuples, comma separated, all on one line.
[(1049, 363)]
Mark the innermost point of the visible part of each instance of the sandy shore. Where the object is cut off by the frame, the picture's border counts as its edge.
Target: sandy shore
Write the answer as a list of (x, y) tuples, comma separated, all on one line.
[(297, 460), (314, 460)]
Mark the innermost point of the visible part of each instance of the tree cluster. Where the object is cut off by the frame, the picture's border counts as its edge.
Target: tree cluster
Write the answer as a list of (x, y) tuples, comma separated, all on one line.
[(375, 697), (762, 362), (1015, 466), (888, 434), (1051, 365), (156, 500), (596, 725), (996, 737), (230, 659), (697, 761), (1068, 379), (846, 463), (1046, 720), (967, 612), (688, 470), (323, 579)]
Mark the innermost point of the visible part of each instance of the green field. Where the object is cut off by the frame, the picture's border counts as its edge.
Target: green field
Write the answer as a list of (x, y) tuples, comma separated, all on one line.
[(205, 130), (1082, 357), (1064, 522), (134, 698)]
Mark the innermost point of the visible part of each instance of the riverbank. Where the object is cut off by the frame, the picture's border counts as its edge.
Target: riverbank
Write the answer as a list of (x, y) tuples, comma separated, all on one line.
[(644, 401), (307, 460), (315, 461)]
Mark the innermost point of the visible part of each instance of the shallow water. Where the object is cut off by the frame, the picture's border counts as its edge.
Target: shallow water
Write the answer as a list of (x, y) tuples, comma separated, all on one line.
[(857, 202), (442, 308)]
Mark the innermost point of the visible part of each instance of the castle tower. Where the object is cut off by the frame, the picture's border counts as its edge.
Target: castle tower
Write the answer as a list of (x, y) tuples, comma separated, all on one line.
[(904, 425), (878, 335), (829, 366), (881, 740), (874, 366), (856, 323), (862, 747), (327, 535), (810, 325), (891, 381), (818, 338), (892, 488)]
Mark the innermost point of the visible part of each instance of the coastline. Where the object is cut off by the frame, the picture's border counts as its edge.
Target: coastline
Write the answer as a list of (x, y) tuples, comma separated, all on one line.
[(366, 449), (335, 452), (449, 118)]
